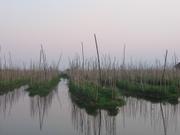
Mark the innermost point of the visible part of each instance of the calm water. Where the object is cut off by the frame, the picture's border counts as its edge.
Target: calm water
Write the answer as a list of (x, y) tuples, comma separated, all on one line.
[(57, 115)]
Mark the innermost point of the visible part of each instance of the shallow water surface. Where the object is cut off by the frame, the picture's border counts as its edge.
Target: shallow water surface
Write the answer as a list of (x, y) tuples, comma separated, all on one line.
[(56, 114)]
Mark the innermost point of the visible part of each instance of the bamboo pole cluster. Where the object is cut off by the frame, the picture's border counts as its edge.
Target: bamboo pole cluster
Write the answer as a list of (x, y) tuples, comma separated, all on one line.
[(106, 71), (34, 72)]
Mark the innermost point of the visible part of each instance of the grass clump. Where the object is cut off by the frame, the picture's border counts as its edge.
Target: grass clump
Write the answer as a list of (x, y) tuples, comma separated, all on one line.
[(167, 93), (43, 88), (85, 97), (40, 76), (6, 86)]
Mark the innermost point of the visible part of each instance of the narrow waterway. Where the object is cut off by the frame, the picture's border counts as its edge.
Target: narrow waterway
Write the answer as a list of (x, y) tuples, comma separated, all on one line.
[(56, 114)]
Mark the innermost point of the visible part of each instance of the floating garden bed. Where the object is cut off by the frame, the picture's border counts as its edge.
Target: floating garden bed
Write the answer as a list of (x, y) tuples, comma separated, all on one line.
[(6, 86), (86, 96), (157, 93), (43, 88)]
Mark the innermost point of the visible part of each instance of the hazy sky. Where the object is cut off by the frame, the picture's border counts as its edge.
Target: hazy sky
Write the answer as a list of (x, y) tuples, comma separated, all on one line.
[(147, 27)]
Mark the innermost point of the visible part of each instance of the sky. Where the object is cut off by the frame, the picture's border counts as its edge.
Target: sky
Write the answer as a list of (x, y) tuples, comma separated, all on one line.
[(146, 27)]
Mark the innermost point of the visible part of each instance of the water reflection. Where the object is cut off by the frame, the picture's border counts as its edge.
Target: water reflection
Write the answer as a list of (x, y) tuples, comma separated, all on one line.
[(85, 124), (7, 100), (57, 114), (158, 116), (163, 120), (39, 106)]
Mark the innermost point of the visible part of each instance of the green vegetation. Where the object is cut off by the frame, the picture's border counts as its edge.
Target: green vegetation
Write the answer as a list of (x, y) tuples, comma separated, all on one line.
[(43, 88), (85, 96), (94, 82), (40, 77), (6, 86), (64, 75), (40, 82), (156, 82), (35, 88), (169, 93)]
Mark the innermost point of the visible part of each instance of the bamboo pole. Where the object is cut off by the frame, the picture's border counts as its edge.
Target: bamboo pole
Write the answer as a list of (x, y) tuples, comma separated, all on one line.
[(98, 58), (82, 49), (164, 68)]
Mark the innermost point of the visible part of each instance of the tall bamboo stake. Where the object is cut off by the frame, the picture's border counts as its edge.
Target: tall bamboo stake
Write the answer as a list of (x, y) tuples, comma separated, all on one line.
[(124, 56), (82, 47), (60, 57), (164, 69), (99, 65)]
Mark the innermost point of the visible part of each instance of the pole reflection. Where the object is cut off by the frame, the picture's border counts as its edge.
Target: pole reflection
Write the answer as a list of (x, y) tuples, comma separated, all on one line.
[(159, 117), (39, 106), (85, 124), (138, 115), (7, 100)]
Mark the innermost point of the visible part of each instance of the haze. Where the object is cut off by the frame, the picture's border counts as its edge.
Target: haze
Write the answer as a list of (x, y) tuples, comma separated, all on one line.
[(147, 27)]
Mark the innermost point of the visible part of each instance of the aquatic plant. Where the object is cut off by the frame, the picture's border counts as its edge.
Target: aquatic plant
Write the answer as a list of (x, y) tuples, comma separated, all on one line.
[(40, 76)]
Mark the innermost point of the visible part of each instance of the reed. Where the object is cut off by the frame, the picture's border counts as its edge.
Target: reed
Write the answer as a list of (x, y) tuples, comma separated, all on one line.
[(93, 82), (155, 81), (160, 82), (40, 77)]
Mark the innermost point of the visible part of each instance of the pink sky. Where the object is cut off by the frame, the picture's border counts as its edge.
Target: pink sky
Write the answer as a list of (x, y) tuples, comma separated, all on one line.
[(147, 27)]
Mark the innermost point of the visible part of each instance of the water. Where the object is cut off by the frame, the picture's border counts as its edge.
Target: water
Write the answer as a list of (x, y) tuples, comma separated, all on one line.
[(57, 115)]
